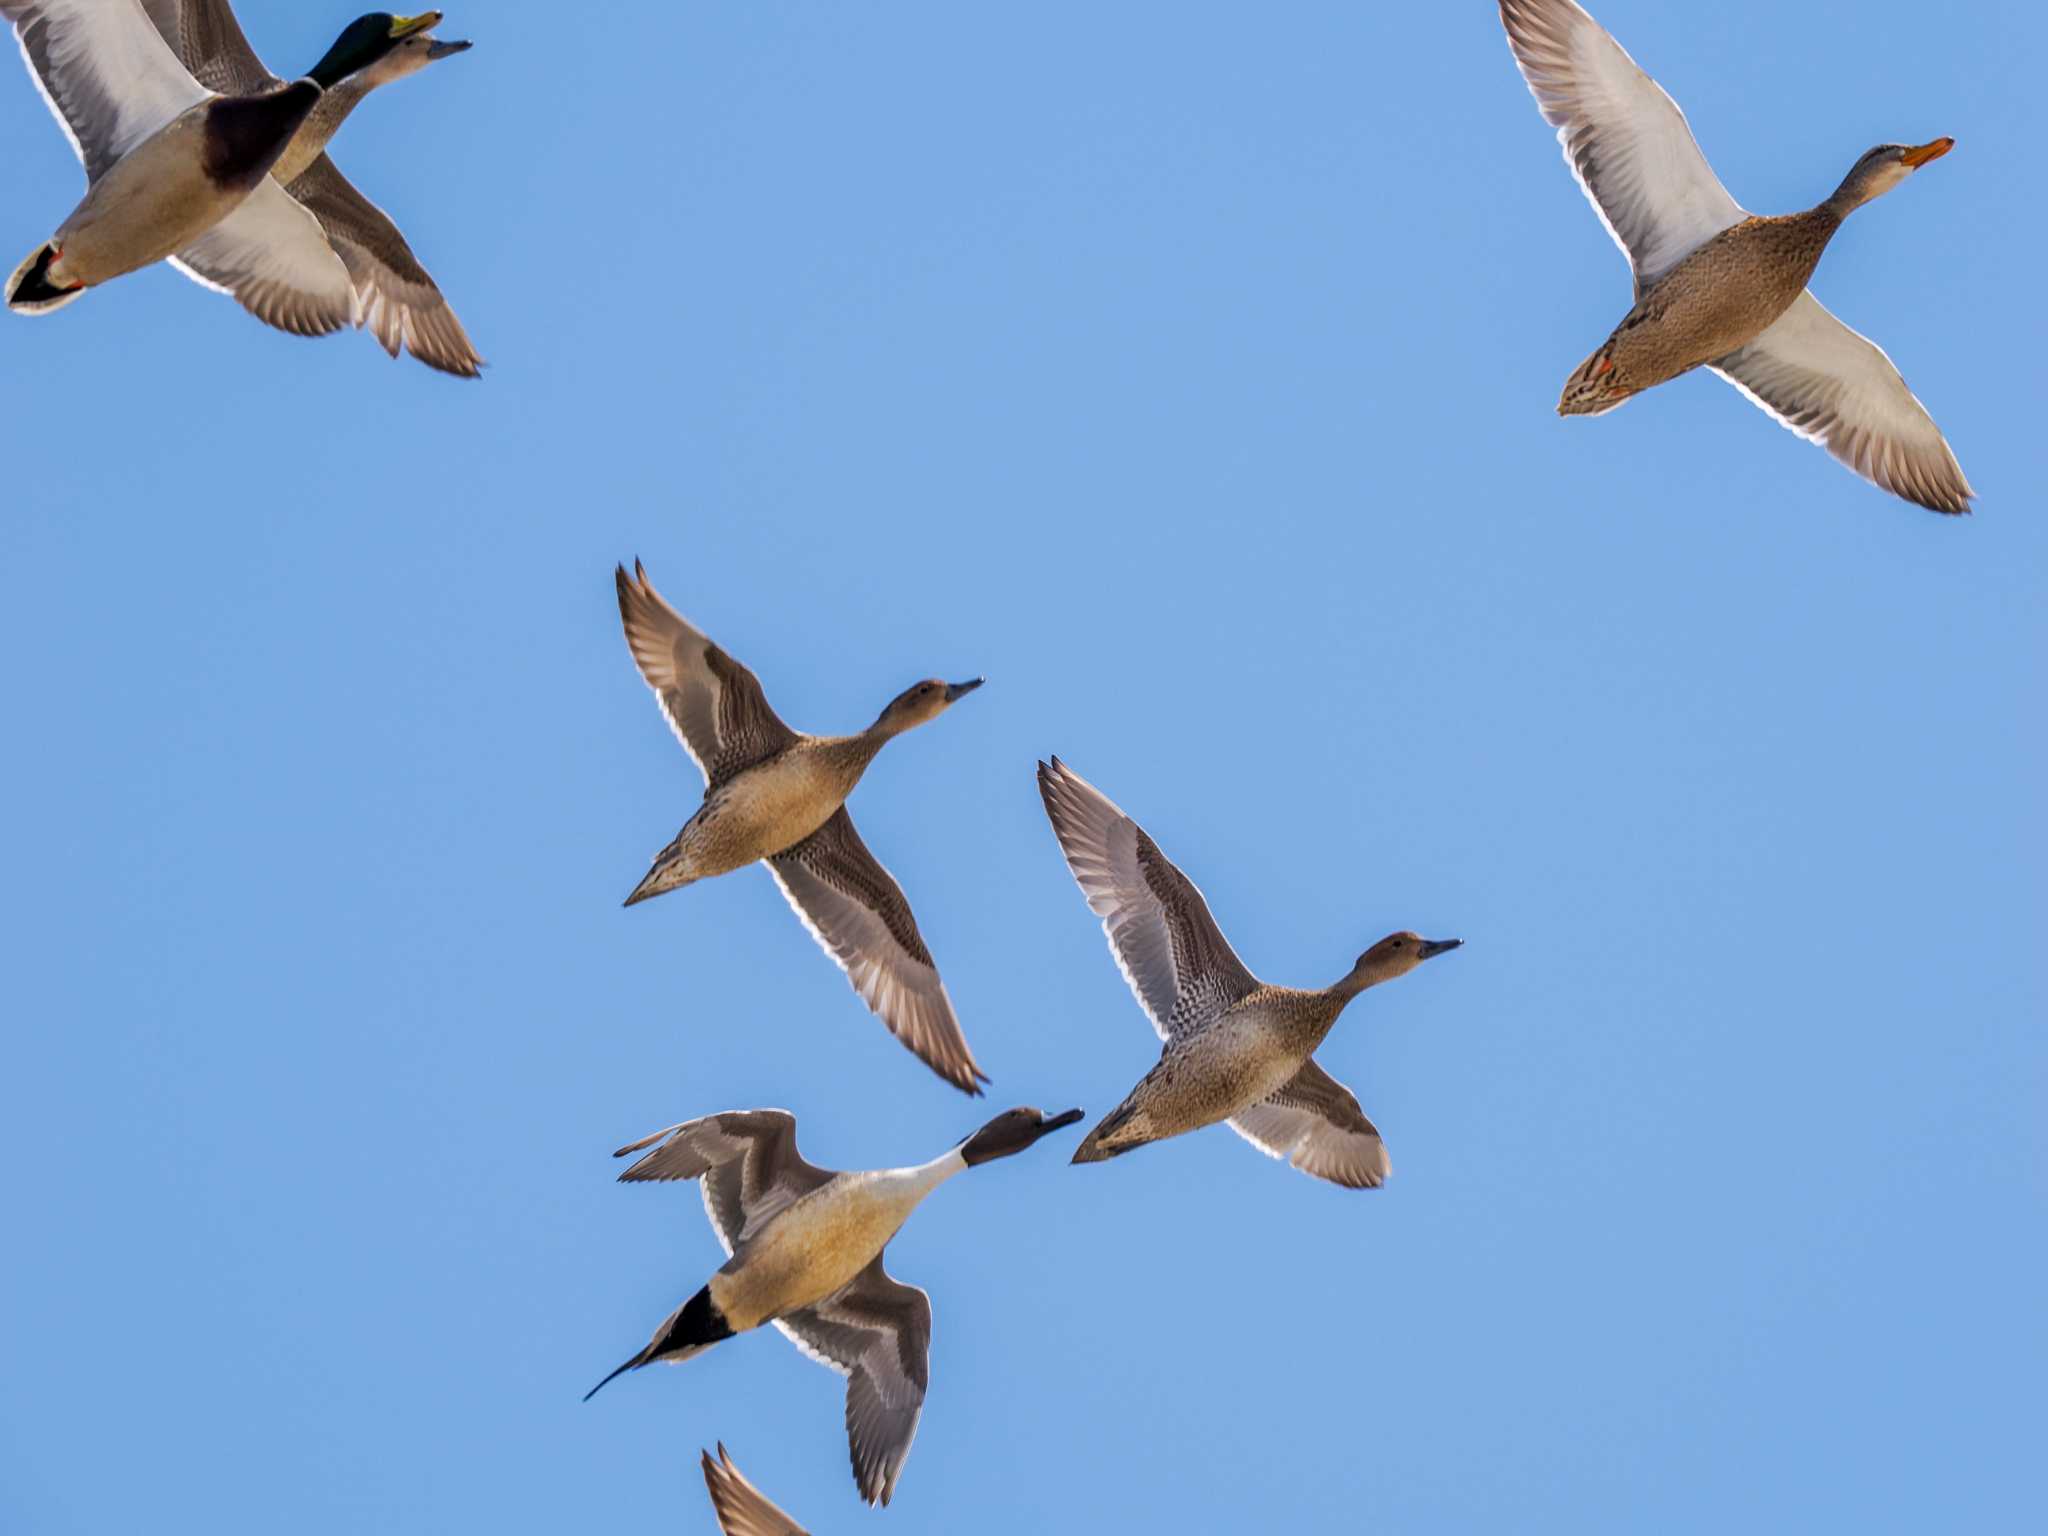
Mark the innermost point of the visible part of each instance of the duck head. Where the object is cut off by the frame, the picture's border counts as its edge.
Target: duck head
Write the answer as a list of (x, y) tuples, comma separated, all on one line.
[(1010, 1133), (368, 41), (1882, 169), (411, 56), (1395, 955), (921, 702)]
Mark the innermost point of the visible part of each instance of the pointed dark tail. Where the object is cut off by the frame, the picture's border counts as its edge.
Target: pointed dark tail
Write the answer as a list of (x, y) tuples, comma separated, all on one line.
[(638, 1360), (690, 1330), (30, 291)]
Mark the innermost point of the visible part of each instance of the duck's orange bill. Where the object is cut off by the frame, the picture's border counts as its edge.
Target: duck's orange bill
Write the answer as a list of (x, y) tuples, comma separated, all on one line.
[(1926, 152)]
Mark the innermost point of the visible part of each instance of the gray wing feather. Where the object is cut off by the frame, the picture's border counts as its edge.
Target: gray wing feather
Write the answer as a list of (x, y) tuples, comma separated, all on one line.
[(1625, 140), (713, 703), (857, 913), (1815, 376), (1179, 966), (747, 1159), (877, 1333), (209, 41), (271, 254), (106, 76), (402, 305), (1316, 1124)]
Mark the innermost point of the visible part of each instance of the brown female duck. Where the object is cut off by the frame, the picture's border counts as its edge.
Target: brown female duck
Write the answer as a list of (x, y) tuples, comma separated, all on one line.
[(778, 796), (1717, 286)]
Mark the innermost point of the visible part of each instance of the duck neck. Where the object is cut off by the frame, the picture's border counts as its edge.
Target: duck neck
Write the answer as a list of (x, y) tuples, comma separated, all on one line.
[(926, 1177), (859, 751), (1840, 203), (885, 730), (1355, 981), (1857, 188), (319, 128)]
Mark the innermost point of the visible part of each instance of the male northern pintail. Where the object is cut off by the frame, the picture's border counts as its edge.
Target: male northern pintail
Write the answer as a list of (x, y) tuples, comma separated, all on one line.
[(778, 795), (400, 303), (805, 1248), (176, 172), (1236, 1049), (1715, 284)]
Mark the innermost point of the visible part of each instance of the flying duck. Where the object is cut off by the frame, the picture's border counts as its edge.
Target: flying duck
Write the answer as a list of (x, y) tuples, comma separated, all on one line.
[(1716, 285), (778, 795), (178, 172), (743, 1509), (1236, 1049), (805, 1252), (401, 304)]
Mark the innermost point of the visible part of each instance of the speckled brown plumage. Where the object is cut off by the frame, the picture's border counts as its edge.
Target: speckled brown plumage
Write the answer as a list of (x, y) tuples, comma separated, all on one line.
[(777, 794), (1235, 1050), (1716, 285), (1721, 297)]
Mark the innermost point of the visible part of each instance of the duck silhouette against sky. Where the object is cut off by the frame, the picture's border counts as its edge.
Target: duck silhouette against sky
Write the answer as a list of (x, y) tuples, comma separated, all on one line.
[(1717, 286), (777, 795), (805, 1248), (1236, 1050)]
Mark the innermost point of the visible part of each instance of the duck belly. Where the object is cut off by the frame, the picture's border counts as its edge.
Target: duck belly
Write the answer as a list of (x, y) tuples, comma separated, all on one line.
[(150, 204), (759, 813), (810, 1250), (1230, 1066)]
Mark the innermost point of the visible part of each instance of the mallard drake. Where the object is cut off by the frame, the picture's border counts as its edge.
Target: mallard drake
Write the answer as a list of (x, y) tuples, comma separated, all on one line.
[(743, 1509), (1718, 286), (176, 171), (401, 305), (778, 796), (805, 1248), (1236, 1050)]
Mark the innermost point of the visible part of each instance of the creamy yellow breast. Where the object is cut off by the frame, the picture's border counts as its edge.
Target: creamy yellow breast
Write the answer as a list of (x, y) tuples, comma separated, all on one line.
[(822, 1241)]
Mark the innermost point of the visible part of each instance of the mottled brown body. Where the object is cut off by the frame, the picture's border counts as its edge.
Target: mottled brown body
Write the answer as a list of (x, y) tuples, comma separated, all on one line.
[(1718, 299), (773, 805), (1243, 1058)]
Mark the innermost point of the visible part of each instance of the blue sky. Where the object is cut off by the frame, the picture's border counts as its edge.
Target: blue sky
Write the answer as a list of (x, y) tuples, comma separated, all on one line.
[(1192, 376)]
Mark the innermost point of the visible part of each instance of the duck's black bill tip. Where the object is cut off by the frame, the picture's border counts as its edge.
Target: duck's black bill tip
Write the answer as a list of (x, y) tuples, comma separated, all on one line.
[(961, 690), (1054, 1122), (1434, 947)]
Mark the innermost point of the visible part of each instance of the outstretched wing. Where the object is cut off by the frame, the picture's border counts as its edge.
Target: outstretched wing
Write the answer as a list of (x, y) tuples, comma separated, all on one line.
[(743, 1509), (856, 911), (271, 255), (209, 42), (1181, 968), (1315, 1123), (713, 703), (747, 1159), (877, 1333), (1624, 139), (401, 304), (1833, 387), (105, 74)]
